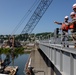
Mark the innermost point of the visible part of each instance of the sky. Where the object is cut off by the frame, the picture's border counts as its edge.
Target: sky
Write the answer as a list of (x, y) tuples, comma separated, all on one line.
[(12, 11)]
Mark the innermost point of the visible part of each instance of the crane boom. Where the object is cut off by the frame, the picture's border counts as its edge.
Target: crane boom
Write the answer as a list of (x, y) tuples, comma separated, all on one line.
[(38, 13)]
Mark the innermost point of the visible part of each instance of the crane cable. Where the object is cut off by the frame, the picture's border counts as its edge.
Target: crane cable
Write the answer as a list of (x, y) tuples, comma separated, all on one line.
[(31, 23), (25, 16)]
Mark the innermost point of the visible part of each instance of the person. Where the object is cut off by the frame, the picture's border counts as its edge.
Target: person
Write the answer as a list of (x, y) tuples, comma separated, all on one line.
[(74, 7), (64, 28), (72, 27)]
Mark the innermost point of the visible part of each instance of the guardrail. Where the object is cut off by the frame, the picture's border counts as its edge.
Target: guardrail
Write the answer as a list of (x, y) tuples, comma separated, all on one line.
[(64, 59)]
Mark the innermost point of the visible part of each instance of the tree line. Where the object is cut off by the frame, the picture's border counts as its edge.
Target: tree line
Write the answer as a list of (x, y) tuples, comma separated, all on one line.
[(25, 37)]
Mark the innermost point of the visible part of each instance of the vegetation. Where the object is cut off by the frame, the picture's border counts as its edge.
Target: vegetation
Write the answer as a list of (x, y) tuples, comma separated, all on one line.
[(45, 35), (17, 50), (25, 37), (4, 50)]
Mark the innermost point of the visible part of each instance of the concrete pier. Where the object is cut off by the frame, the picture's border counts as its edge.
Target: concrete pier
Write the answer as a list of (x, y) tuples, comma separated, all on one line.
[(39, 64), (49, 59)]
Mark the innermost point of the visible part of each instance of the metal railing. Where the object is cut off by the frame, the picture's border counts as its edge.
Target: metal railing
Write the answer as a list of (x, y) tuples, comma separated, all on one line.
[(64, 59)]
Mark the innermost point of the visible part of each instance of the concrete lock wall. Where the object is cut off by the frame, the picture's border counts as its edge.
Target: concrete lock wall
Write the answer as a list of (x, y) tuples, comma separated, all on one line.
[(39, 64), (63, 59)]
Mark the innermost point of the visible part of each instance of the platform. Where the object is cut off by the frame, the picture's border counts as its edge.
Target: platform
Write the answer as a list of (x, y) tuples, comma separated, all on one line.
[(11, 69)]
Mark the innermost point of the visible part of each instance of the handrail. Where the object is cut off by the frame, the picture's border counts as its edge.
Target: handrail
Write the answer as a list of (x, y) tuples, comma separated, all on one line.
[(69, 50)]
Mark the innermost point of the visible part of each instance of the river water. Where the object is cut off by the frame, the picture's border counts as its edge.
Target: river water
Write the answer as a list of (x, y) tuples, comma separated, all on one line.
[(19, 61)]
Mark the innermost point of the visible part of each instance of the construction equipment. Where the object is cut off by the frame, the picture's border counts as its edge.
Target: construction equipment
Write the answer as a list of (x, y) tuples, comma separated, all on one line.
[(38, 13)]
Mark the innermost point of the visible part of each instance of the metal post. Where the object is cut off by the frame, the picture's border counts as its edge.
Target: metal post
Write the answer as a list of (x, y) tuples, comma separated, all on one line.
[(55, 56), (71, 65), (61, 61)]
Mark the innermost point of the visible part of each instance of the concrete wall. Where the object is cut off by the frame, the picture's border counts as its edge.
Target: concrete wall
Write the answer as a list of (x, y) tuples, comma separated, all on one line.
[(41, 64)]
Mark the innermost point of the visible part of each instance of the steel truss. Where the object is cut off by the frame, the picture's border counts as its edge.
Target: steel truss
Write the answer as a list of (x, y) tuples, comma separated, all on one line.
[(38, 13)]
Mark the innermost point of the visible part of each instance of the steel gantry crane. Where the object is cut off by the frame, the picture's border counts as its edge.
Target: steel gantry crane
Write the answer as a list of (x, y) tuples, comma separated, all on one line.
[(38, 13)]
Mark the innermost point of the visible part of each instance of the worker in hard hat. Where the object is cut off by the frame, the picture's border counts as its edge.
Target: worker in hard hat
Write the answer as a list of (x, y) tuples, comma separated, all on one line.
[(74, 7), (64, 28), (72, 27)]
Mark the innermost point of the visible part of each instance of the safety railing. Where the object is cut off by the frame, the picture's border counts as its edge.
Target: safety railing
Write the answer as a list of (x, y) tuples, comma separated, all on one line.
[(64, 59)]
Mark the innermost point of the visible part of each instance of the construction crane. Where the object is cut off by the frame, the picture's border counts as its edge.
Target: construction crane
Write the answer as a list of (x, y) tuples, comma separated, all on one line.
[(38, 13)]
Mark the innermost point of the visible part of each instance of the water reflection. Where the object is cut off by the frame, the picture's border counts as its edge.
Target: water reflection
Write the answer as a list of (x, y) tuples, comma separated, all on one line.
[(20, 61), (15, 58)]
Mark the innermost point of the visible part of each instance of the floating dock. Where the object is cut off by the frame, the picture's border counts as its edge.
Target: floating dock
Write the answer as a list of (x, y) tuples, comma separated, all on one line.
[(11, 69)]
